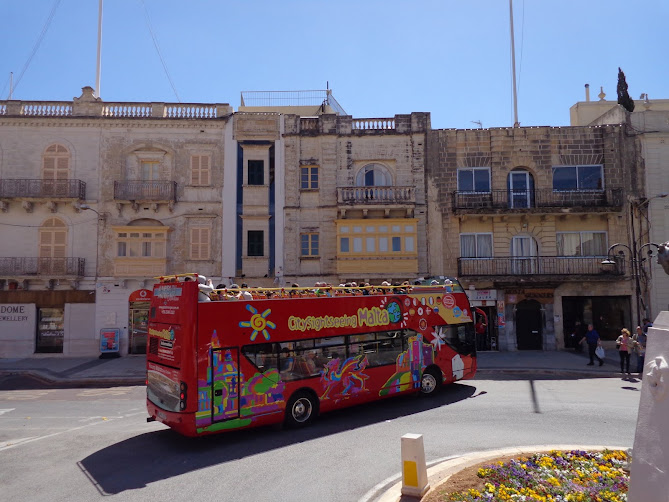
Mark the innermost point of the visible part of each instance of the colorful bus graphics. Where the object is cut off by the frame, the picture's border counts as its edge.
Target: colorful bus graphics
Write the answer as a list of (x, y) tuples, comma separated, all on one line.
[(287, 355)]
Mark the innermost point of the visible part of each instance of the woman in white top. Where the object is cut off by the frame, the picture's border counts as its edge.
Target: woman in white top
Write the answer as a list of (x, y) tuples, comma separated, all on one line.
[(625, 345)]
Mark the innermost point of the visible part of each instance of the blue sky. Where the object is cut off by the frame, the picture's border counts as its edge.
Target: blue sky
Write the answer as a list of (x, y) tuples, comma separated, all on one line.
[(450, 58)]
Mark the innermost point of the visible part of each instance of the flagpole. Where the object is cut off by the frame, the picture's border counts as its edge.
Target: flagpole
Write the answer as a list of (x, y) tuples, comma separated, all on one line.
[(97, 73), (513, 69)]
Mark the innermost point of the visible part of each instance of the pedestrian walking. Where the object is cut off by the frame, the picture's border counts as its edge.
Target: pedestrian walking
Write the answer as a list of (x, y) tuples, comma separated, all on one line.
[(625, 345), (640, 338), (593, 341)]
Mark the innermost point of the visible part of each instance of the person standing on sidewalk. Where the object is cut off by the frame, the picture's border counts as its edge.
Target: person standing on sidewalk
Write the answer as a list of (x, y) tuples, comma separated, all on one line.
[(640, 338), (625, 345), (592, 338)]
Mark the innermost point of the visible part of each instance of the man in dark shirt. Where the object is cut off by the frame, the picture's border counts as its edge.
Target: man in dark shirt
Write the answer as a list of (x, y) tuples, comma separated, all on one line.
[(592, 338)]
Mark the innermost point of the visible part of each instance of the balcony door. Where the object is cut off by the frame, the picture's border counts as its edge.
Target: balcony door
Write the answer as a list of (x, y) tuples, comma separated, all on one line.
[(52, 247), (55, 171), (520, 189), (524, 255)]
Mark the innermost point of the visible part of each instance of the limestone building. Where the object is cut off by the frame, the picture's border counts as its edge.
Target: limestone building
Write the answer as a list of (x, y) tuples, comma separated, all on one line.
[(524, 217)]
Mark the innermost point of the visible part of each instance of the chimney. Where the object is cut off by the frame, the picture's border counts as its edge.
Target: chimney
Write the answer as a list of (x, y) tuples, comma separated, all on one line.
[(587, 93)]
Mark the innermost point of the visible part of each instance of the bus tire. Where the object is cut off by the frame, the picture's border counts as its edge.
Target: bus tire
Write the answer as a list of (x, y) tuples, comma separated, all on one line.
[(430, 382), (302, 409)]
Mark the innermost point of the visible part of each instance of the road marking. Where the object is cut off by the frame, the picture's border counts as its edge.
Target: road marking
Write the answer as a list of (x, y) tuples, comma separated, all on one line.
[(102, 392), (25, 395), (15, 442), (6, 410), (19, 442)]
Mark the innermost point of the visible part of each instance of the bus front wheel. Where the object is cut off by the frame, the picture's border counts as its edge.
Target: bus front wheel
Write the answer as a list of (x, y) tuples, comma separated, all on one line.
[(301, 409), (430, 381)]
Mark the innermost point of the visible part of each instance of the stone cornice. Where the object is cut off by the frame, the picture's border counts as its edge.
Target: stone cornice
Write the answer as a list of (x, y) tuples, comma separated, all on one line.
[(110, 123)]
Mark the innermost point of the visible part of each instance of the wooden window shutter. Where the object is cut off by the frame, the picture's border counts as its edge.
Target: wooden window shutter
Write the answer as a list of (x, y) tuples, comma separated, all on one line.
[(204, 170), (195, 170), (49, 171), (195, 243), (199, 243), (204, 243)]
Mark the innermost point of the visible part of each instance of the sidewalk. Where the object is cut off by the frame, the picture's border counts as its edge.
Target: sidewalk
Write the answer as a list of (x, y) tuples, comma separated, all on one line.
[(131, 370)]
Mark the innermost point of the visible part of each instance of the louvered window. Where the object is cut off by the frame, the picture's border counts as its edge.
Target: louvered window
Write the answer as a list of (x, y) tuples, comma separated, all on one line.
[(200, 166), (199, 243)]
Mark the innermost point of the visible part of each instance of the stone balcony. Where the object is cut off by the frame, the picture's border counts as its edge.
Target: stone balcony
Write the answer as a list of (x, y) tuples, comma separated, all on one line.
[(26, 267), (50, 192), (538, 268), (145, 192), (537, 201), (382, 198)]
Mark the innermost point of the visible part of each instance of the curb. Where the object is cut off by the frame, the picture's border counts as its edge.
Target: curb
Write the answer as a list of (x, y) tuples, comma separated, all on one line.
[(544, 371), (442, 472), (50, 379)]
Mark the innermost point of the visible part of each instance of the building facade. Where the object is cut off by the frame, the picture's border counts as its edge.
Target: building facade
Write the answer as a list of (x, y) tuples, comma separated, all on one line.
[(97, 199), (100, 198), (524, 217)]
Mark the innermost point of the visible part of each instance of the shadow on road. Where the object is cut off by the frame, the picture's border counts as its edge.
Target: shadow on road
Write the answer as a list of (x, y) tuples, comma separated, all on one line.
[(151, 457)]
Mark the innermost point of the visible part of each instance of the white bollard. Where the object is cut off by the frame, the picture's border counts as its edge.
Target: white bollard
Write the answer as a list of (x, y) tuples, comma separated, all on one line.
[(414, 469)]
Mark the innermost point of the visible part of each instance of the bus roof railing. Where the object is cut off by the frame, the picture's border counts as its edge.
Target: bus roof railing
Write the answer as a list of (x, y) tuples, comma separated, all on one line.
[(232, 292)]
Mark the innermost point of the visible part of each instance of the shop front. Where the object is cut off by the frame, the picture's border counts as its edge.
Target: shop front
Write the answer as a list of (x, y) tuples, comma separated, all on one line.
[(530, 313), (486, 319), (139, 303), (47, 322)]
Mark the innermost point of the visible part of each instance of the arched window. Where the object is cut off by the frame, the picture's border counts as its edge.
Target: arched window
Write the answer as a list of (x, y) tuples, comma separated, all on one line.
[(373, 175), (56, 163), (521, 188)]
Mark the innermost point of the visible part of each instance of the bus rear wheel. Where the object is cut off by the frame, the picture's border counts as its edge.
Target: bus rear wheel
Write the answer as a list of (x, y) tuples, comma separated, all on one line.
[(430, 382), (301, 409)]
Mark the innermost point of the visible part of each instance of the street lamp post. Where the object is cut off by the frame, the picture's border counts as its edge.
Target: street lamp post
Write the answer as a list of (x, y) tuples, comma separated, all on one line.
[(101, 218)]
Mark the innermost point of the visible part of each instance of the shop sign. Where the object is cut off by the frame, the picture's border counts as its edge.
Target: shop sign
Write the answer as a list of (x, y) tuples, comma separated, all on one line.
[(480, 295), (516, 295), (109, 339), (141, 295), (17, 320)]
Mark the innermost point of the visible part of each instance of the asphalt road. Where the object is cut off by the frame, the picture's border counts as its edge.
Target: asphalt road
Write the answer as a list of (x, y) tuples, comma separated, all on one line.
[(88, 444)]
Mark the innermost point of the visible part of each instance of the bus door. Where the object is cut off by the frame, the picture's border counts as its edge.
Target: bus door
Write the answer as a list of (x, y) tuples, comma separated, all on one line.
[(225, 383)]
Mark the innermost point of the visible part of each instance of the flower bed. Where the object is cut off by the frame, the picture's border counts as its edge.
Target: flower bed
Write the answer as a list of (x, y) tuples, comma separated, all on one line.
[(577, 476)]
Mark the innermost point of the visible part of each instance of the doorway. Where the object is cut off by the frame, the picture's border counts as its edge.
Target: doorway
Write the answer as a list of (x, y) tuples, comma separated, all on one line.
[(529, 333), (139, 322), (519, 189), (524, 255)]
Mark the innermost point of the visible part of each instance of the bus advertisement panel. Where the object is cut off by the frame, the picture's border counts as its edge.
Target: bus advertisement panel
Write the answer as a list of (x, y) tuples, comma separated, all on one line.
[(287, 355)]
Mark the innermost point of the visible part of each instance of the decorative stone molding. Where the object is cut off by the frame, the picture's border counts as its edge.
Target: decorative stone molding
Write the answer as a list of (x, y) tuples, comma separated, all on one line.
[(52, 206), (27, 205), (4, 206), (154, 207), (74, 284)]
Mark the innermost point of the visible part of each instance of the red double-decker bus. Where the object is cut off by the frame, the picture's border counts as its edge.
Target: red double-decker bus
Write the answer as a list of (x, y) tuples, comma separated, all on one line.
[(217, 361)]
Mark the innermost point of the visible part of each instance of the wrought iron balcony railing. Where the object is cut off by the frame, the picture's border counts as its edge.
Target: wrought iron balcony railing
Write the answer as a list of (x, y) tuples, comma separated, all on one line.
[(537, 198), (49, 267), (376, 195), (48, 189), (538, 265), (144, 190)]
